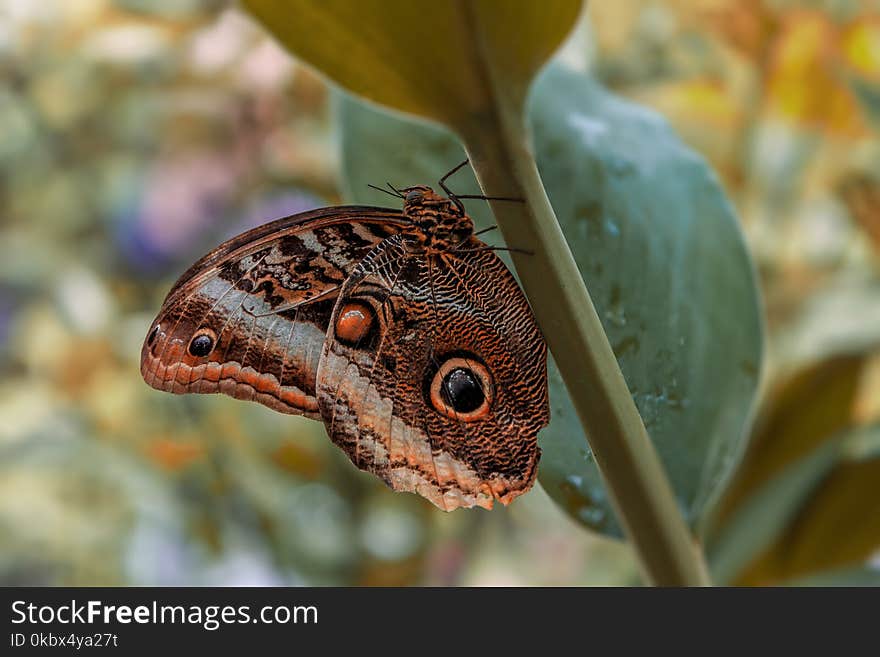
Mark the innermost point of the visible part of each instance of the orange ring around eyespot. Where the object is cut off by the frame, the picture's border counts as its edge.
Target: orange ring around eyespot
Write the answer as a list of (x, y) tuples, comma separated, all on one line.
[(482, 375), (354, 322)]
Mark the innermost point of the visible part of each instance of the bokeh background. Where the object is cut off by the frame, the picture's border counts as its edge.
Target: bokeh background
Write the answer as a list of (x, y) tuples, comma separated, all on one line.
[(137, 134)]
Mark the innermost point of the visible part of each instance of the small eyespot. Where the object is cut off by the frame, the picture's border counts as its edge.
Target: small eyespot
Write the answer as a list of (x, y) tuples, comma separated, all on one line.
[(462, 389), (151, 338), (202, 343), (354, 322)]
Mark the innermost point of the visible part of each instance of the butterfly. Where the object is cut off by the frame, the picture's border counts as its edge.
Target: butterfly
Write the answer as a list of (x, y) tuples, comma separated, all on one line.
[(399, 329)]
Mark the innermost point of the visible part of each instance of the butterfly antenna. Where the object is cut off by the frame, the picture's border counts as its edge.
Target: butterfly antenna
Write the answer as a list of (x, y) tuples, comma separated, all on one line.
[(394, 189), (452, 196), (511, 249), (492, 198), (384, 191), (485, 230), (459, 166)]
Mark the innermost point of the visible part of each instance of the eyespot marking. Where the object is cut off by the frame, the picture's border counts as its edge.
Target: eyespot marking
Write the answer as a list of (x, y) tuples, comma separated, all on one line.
[(462, 389), (354, 322), (202, 343)]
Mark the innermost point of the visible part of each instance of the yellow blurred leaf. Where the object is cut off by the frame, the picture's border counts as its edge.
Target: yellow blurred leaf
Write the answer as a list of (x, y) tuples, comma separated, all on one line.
[(298, 460), (805, 82), (706, 101), (861, 195), (861, 47), (805, 410), (867, 405), (804, 497), (617, 19), (448, 61), (746, 25), (174, 455), (706, 111), (837, 526), (392, 573)]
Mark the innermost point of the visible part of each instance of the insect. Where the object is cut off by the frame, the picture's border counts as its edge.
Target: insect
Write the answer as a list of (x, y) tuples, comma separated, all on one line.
[(399, 329)]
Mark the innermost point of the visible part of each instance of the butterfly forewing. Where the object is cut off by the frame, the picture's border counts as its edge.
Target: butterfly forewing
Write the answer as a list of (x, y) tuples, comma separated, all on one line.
[(249, 319)]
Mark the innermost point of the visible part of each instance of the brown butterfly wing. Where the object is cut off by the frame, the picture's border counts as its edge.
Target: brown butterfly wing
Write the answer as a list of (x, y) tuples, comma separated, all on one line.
[(259, 305), (378, 396)]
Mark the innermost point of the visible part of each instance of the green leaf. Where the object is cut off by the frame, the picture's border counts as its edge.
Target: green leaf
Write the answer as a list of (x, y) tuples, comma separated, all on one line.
[(868, 95), (376, 148), (818, 514), (762, 518), (792, 448), (661, 251), (448, 61), (809, 407), (662, 254), (839, 524)]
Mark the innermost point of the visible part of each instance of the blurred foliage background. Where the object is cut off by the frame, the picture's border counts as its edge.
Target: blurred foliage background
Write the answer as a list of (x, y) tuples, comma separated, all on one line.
[(137, 134)]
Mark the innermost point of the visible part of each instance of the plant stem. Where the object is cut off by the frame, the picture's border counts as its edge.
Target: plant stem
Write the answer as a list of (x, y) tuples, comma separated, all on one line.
[(639, 489)]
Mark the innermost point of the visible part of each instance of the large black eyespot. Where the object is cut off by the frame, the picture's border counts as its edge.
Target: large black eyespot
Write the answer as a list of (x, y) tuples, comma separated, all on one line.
[(202, 343), (462, 389), (414, 195)]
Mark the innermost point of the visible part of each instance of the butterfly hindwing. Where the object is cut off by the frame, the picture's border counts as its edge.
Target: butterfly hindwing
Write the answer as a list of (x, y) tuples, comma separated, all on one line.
[(433, 380), (249, 319)]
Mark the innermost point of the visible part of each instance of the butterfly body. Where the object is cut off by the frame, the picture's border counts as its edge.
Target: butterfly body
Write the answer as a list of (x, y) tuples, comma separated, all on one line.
[(402, 331)]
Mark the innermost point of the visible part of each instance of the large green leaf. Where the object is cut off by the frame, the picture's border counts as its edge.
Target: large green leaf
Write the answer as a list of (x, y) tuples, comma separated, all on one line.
[(452, 61), (661, 252), (377, 147), (810, 406), (818, 514), (803, 496), (868, 95), (763, 517)]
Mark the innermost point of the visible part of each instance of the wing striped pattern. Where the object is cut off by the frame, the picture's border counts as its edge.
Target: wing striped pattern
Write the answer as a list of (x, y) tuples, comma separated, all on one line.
[(404, 333), (265, 299), (372, 395)]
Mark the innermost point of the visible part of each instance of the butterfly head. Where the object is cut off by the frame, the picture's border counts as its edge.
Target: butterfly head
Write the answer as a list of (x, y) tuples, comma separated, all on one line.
[(437, 222)]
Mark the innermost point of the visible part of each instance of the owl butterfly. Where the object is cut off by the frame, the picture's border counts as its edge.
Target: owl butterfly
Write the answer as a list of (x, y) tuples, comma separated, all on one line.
[(400, 330)]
